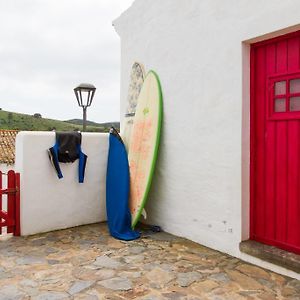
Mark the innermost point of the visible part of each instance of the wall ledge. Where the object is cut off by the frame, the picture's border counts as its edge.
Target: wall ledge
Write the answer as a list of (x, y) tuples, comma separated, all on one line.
[(276, 256)]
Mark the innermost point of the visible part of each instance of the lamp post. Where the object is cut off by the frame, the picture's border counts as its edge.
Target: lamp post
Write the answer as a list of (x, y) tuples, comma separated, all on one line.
[(84, 94)]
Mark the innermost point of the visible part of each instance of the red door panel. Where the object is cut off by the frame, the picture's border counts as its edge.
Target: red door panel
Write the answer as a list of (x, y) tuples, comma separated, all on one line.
[(275, 142)]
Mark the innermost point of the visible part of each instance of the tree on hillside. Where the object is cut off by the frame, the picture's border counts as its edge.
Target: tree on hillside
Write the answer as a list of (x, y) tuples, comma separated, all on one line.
[(9, 118), (37, 115)]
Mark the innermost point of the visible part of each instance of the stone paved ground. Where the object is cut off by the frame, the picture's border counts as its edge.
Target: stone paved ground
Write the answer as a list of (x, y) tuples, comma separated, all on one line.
[(86, 263)]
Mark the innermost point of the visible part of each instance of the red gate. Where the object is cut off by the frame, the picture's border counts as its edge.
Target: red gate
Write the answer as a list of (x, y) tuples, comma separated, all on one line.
[(275, 142), (11, 217)]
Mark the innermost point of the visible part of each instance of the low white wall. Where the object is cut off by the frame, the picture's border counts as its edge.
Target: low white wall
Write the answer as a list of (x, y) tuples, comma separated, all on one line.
[(49, 203), (4, 168), (200, 50)]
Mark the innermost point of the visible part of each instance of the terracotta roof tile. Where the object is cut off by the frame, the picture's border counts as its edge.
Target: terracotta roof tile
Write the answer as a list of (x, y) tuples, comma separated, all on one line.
[(7, 146)]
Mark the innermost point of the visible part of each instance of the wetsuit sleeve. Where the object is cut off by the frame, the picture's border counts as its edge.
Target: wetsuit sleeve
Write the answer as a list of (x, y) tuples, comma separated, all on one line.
[(82, 164), (53, 156)]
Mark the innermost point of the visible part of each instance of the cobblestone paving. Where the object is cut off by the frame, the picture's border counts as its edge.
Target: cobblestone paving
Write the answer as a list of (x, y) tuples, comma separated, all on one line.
[(86, 263)]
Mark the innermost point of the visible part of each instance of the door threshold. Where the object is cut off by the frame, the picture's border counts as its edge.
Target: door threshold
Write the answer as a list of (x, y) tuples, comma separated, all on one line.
[(276, 256)]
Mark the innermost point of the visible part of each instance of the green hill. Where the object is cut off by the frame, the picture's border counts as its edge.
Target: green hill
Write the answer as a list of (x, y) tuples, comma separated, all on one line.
[(94, 124), (18, 121)]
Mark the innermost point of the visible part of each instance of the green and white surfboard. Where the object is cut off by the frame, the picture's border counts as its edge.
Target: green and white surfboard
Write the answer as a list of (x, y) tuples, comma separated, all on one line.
[(144, 142)]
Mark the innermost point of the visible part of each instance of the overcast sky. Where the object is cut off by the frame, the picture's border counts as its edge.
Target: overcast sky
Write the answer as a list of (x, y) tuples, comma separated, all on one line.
[(47, 47)]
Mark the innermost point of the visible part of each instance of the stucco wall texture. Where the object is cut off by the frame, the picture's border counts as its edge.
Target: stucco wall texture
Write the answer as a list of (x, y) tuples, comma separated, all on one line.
[(200, 50), (49, 203), (4, 169)]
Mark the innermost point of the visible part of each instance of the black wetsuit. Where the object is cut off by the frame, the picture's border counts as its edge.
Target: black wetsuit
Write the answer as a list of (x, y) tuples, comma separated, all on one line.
[(67, 149)]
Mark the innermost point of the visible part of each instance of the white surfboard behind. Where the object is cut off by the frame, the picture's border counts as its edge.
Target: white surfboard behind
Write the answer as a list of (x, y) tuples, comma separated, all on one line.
[(137, 77)]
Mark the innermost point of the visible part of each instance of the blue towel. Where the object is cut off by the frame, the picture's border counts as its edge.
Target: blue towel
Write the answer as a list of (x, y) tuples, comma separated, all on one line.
[(117, 190)]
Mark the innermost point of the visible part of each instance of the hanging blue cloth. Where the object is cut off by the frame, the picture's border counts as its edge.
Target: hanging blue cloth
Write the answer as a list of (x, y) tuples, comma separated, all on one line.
[(117, 190)]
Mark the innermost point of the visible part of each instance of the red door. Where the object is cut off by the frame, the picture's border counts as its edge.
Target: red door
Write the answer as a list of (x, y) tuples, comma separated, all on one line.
[(275, 142)]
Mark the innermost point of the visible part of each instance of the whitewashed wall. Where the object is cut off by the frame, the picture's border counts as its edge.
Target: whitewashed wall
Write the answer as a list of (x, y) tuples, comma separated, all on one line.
[(5, 168), (49, 203), (200, 50)]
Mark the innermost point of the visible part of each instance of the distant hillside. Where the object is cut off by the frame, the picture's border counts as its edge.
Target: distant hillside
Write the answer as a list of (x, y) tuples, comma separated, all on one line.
[(12, 120), (91, 123)]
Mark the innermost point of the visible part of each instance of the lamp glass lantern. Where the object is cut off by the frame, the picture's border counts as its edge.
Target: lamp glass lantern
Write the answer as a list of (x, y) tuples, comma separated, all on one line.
[(84, 94)]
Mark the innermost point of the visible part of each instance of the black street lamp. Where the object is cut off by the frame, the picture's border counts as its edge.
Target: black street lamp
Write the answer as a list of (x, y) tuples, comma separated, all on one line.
[(84, 94)]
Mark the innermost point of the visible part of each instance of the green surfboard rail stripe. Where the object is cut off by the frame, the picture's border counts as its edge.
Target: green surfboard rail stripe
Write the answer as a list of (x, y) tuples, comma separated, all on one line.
[(158, 134)]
